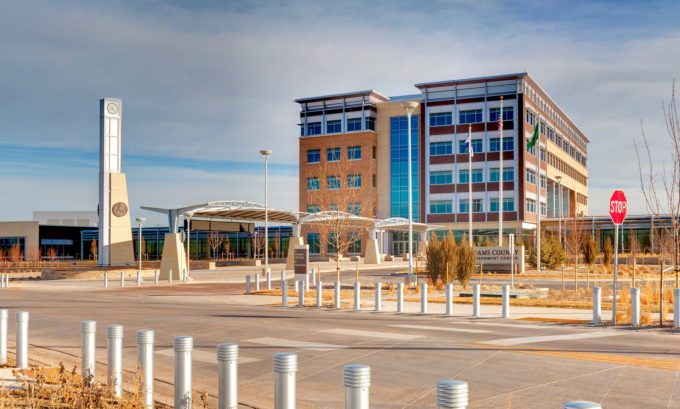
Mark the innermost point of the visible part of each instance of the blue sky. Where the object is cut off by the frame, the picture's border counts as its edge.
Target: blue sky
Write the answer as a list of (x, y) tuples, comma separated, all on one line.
[(206, 85)]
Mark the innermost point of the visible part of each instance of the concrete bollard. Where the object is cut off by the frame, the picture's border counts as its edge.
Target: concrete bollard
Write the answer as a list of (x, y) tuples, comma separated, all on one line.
[(378, 296), (227, 376), (452, 394), (476, 307), (269, 280), (22, 339), (336, 295), (357, 384), (88, 332), (106, 279), (139, 278), (581, 404), (122, 279), (449, 299), (635, 306), (301, 293), (676, 307), (247, 284), (257, 283), (319, 294), (597, 306), (156, 277), (297, 286), (183, 347), (306, 282), (400, 297), (423, 298), (3, 336), (314, 276), (285, 367), (114, 349), (357, 296), (145, 340), (284, 293), (170, 277), (283, 276), (506, 301)]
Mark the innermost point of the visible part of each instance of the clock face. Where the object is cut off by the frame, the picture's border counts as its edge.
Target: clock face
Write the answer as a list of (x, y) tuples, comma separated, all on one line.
[(112, 108), (119, 209)]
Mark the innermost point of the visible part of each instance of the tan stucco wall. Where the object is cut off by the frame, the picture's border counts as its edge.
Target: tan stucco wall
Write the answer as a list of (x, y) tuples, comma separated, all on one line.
[(29, 230), (121, 251)]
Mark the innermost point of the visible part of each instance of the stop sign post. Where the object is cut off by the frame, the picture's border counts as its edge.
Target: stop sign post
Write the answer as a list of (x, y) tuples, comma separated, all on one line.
[(618, 210)]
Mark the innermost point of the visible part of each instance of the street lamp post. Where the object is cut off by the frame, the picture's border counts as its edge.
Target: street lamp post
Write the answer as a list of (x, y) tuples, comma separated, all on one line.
[(140, 222), (410, 107), (559, 204), (266, 153)]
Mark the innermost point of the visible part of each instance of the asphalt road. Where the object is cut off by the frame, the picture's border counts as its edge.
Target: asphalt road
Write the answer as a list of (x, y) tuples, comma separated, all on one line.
[(507, 363)]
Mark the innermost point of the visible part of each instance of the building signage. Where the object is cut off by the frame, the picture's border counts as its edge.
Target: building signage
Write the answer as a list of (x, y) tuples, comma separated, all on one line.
[(499, 258), (301, 260)]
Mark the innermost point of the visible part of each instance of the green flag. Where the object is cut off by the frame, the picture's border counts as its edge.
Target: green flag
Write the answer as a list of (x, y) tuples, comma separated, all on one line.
[(534, 138)]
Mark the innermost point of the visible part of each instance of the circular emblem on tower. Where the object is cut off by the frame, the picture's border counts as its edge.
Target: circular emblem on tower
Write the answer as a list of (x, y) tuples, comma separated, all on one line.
[(119, 209), (112, 108)]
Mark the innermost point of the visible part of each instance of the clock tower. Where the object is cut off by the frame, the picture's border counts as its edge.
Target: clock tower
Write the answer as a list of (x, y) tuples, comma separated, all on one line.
[(115, 231)]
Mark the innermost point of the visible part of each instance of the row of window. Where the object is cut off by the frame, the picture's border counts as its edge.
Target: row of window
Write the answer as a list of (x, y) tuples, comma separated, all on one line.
[(445, 177), (446, 147), (335, 126), (557, 139), (470, 116), (334, 154), (353, 208), (531, 207), (562, 166), (334, 182), (446, 206), (531, 178)]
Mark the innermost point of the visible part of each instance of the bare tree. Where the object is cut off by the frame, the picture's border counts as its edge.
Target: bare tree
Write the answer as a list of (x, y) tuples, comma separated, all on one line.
[(573, 241), (226, 246), (93, 249), (590, 253), (15, 254), (214, 241), (258, 244), (52, 254), (276, 245)]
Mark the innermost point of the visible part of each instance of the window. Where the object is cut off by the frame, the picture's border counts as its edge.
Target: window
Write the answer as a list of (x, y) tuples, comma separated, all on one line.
[(441, 148), (543, 181), (314, 128), (508, 205), (495, 143), (313, 183), (532, 149), (544, 209), (332, 243), (441, 207), (508, 174), (354, 243), (353, 181), (531, 176), (354, 208), (477, 205), (334, 126), (463, 206), (370, 123), (531, 206), (477, 146), (353, 152), (441, 119), (507, 114), (493, 205), (444, 177), (333, 154), (314, 156), (314, 241), (494, 174), (313, 209), (472, 116), (333, 182), (353, 124), (477, 176)]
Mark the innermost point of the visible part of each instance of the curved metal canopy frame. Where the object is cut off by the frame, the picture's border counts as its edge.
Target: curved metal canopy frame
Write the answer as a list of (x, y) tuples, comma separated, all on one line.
[(330, 216), (401, 224)]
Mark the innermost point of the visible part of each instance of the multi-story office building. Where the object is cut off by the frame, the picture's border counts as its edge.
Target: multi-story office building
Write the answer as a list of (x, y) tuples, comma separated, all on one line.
[(334, 125)]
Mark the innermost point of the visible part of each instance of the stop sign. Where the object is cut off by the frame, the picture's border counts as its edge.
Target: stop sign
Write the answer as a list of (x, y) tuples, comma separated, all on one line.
[(618, 207)]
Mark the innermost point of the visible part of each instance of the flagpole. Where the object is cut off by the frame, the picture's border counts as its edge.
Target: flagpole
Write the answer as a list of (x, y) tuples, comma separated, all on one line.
[(538, 209), (500, 176), (470, 185)]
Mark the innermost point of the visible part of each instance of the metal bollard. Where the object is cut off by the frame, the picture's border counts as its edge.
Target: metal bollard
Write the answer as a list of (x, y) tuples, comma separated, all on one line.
[(635, 306), (306, 282), (183, 347), (145, 340), (476, 310), (314, 276), (114, 348), (227, 376), (285, 367), (452, 394), (3, 336), (22, 339), (676, 307), (319, 294), (139, 278), (400, 297), (156, 277), (357, 383), (247, 284), (357, 296), (449, 299), (106, 279), (301, 293), (597, 306), (506, 301), (423, 298), (283, 276), (297, 286), (257, 283), (378, 296), (122, 279), (284, 293), (581, 404), (269, 280), (88, 332), (336, 295), (170, 277)]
